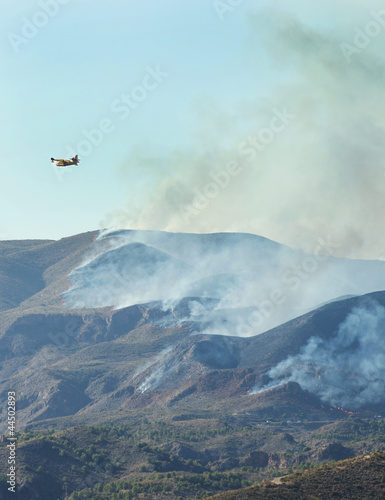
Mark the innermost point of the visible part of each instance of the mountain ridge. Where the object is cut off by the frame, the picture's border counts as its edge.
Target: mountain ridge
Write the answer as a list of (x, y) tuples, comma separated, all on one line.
[(213, 383)]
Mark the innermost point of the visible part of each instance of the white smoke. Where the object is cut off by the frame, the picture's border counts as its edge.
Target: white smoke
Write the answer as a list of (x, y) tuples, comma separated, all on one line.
[(254, 284), (346, 370), (152, 380), (322, 174), (164, 365)]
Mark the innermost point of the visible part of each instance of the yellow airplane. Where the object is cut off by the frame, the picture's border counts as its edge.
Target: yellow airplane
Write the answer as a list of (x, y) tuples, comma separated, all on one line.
[(66, 163)]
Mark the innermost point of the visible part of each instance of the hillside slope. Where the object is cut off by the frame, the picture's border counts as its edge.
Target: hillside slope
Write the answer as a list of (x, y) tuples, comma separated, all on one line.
[(149, 456), (193, 393), (33, 272), (355, 478), (87, 363), (240, 270)]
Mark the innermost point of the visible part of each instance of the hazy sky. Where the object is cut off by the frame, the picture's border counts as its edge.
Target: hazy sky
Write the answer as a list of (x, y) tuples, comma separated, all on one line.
[(159, 98)]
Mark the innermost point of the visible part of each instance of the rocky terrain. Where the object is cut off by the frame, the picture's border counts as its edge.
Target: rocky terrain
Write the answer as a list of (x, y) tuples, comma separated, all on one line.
[(136, 344)]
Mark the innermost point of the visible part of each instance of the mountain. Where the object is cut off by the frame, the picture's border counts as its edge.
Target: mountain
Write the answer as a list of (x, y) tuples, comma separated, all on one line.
[(129, 267), (33, 272), (177, 351), (240, 270), (185, 332), (90, 363)]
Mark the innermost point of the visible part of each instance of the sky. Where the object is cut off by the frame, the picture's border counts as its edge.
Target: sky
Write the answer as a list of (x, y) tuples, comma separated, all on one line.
[(195, 116)]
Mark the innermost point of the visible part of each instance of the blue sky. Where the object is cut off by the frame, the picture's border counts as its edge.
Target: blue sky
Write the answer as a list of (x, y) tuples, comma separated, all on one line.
[(216, 75), (65, 79)]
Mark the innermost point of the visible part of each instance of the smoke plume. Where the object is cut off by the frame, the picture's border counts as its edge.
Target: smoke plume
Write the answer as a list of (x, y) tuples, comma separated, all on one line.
[(346, 370), (245, 284), (308, 158)]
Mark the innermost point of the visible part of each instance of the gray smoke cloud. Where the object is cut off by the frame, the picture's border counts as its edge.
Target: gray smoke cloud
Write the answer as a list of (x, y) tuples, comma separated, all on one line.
[(316, 171), (347, 370), (245, 284)]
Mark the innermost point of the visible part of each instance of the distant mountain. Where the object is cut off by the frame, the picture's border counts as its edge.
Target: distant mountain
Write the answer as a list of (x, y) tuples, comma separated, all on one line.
[(33, 273), (129, 271), (240, 270), (129, 267)]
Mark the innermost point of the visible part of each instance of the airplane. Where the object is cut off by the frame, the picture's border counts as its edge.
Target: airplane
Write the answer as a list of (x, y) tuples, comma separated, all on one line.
[(66, 163)]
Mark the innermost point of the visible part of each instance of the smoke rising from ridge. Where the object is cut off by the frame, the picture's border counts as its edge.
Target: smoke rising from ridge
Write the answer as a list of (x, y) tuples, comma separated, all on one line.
[(322, 174), (231, 284), (347, 370)]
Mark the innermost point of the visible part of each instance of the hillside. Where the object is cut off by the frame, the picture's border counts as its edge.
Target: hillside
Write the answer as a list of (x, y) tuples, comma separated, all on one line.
[(93, 362), (178, 394), (33, 273), (240, 270), (153, 457), (356, 478)]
